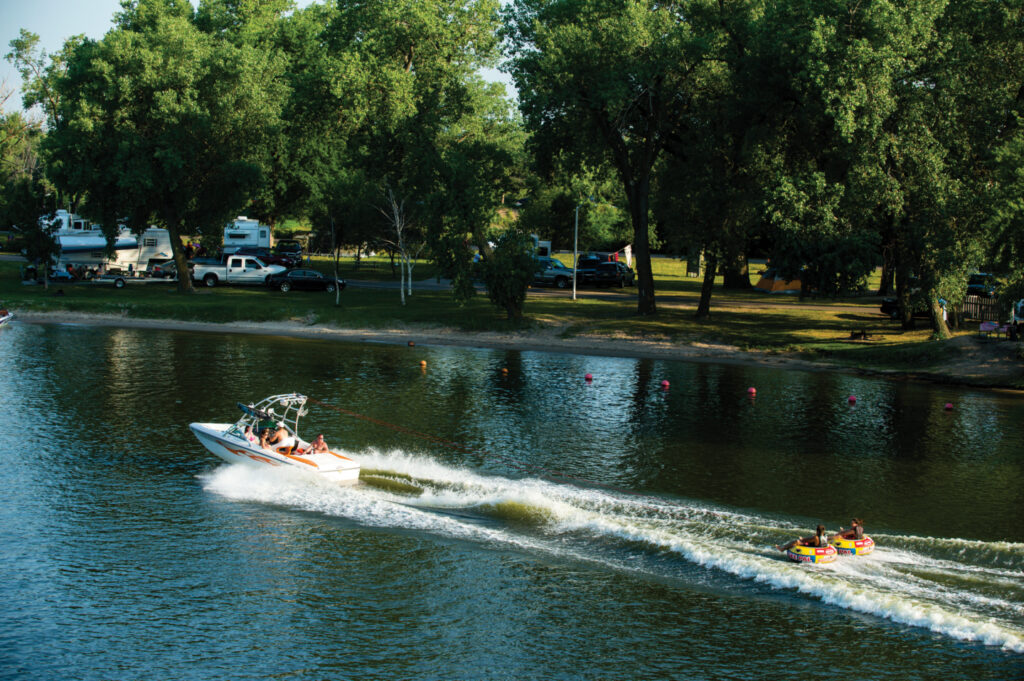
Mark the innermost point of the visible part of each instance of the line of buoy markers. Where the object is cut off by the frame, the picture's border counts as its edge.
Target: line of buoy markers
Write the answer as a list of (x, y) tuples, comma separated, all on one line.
[(751, 391)]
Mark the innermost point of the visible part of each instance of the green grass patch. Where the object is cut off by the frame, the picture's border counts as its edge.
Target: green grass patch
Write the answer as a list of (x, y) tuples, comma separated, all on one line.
[(751, 321)]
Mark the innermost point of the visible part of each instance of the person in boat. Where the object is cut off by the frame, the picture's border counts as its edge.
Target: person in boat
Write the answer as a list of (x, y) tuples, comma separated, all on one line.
[(265, 438), (856, 531), (250, 436), (819, 540), (319, 446), (281, 437)]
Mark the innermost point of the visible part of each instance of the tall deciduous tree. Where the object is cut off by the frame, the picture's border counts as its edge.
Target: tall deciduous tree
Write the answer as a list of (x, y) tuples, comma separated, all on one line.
[(155, 122), (606, 80)]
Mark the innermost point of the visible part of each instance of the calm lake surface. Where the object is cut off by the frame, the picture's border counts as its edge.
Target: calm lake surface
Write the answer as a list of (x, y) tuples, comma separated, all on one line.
[(519, 526)]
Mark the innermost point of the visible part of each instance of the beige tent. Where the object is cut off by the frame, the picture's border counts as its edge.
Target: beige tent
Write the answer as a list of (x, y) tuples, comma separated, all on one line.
[(771, 283)]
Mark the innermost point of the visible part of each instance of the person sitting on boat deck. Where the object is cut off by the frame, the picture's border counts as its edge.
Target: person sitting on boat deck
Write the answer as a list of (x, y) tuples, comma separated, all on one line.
[(319, 446), (856, 531), (265, 438), (250, 436), (281, 437), (817, 540)]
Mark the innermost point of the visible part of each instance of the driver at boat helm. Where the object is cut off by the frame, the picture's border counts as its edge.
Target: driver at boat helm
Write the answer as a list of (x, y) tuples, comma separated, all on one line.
[(280, 437)]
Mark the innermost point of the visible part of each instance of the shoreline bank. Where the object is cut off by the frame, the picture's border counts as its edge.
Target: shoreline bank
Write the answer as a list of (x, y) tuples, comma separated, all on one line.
[(993, 373)]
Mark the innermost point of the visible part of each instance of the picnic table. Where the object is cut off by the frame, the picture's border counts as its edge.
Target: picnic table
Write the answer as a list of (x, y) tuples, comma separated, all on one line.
[(987, 329)]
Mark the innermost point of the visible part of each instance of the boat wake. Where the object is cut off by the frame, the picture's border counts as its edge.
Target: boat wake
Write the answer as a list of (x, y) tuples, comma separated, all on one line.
[(967, 590)]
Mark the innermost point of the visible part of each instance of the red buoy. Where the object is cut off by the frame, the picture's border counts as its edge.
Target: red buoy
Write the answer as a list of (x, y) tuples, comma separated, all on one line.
[(751, 391)]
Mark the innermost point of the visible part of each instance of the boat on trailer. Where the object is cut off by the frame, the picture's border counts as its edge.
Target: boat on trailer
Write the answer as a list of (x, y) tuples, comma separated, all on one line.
[(230, 442)]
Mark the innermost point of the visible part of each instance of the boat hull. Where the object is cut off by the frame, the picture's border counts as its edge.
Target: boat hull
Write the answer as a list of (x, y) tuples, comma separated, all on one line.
[(233, 449)]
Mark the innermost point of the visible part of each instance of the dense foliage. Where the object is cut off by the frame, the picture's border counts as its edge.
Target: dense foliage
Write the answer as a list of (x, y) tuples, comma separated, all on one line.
[(832, 135)]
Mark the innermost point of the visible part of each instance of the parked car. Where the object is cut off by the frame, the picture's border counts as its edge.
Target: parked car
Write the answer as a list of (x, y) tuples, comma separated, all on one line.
[(982, 284), (586, 265), (164, 270), (269, 258), (289, 247), (553, 272), (303, 280), (614, 274)]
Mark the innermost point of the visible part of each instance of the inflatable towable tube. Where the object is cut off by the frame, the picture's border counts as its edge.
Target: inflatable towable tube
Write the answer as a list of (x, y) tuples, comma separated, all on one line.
[(811, 554), (854, 547)]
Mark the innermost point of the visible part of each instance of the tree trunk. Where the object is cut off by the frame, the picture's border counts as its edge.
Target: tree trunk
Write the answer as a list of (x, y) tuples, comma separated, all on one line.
[(736, 274), (938, 323), (710, 267), (888, 270), (888, 260), (639, 197), (184, 275), (336, 252)]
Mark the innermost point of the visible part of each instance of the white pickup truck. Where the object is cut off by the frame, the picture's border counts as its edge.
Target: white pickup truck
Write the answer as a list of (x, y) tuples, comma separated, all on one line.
[(238, 269)]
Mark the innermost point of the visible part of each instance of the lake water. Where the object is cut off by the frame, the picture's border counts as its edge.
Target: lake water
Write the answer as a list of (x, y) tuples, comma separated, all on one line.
[(526, 525)]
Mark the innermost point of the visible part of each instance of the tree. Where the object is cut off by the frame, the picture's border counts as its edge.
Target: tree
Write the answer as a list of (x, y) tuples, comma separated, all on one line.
[(154, 123), (508, 270), (404, 239), (614, 72), (435, 137)]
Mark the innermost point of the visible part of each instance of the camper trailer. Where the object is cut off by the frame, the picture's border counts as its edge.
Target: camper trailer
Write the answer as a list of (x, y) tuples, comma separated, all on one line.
[(83, 244), (541, 249), (245, 232)]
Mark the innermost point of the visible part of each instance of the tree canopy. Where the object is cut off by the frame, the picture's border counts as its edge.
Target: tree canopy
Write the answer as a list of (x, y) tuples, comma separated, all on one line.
[(835, 135)]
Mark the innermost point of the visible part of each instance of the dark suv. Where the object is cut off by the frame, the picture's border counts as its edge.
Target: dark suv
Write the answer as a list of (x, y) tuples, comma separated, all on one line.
[(587, 264), (289, 247), (614, 274), (982, 284), (269, 258)]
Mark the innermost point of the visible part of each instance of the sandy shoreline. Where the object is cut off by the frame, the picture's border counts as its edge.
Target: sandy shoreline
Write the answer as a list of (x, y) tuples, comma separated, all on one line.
[(988, 372)]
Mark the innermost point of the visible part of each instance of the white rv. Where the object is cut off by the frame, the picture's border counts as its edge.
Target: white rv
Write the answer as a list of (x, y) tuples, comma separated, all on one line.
[(83, 244), (541, 249), (244, 232)]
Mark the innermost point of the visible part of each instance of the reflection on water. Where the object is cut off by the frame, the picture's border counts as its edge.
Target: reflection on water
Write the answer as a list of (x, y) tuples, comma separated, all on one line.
[(484, 548)]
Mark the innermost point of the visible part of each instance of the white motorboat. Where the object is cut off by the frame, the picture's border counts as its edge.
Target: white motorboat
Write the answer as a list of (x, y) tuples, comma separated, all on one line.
[(231, 443)]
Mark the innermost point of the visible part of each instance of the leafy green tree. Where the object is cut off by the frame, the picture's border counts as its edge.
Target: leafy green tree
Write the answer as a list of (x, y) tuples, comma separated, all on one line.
[(508, 270), (435, 137), (155, 121), (606, 80)]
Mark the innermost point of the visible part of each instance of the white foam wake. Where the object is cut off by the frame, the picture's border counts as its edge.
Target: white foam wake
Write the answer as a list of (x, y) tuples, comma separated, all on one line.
[(964, 589)]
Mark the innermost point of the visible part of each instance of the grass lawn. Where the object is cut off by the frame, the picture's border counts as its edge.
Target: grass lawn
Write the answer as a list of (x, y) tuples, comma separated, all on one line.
[(753, 321)]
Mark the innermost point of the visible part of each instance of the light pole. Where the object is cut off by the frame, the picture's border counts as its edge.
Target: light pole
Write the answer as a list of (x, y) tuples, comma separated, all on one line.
[(575, 250)]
